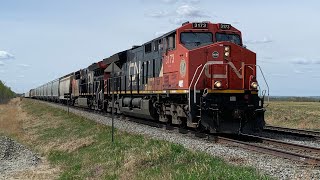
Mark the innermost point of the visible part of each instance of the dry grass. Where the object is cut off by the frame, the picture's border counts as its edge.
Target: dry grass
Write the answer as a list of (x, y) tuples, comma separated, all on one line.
[(75, 144), (10, 118), (300, 115), (41, 172), (16, 123)]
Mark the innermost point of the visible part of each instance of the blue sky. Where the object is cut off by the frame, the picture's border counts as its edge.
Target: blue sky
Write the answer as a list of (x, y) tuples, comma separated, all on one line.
[(41, 40)]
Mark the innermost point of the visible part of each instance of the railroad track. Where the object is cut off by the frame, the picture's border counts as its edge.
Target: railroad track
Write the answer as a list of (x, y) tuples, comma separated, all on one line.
[(306, 154), (294, 132), (259, 144)]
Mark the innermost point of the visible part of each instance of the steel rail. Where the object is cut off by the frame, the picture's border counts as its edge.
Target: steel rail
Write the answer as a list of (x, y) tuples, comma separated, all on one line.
[(297, 132), (285, 144), (272, 151)]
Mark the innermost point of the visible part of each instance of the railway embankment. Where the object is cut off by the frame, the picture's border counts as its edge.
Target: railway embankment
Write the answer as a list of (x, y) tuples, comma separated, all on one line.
[(76, 147)]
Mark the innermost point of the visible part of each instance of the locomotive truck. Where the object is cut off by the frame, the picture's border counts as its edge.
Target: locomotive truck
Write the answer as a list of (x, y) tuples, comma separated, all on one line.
[(199, 75)]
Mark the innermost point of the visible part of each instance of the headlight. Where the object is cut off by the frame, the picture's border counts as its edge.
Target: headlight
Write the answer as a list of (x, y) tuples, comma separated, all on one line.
[(217, 84), (226, 51), (254, 85)]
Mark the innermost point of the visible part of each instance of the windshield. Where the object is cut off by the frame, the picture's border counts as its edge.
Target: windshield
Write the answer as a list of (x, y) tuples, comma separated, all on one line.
[(195, 39), (235, 38)]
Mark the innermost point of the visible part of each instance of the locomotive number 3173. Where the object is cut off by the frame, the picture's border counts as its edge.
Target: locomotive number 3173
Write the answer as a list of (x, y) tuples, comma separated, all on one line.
[(200, 25)]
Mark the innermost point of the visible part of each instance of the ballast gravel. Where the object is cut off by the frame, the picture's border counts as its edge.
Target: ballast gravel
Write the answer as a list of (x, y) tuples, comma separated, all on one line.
[(279, 168), (15, 157)]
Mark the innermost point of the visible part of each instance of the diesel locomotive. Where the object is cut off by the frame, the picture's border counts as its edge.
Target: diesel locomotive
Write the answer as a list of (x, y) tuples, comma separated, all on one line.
[(199, 75)]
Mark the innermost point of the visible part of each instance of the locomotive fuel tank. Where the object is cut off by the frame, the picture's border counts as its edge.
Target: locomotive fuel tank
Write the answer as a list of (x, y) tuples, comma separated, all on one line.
[(137, 107)]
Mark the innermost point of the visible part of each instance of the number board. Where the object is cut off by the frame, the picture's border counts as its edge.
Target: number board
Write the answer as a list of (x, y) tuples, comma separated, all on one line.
[(200, 25), (225, 26)]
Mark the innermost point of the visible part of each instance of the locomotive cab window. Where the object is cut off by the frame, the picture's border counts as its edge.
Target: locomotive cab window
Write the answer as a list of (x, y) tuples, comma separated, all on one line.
[(195, 39), (234, 38), (171, 41), (156, 45), (147, 48)]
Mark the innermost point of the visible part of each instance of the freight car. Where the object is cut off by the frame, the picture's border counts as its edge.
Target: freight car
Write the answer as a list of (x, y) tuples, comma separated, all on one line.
[(199, 75)]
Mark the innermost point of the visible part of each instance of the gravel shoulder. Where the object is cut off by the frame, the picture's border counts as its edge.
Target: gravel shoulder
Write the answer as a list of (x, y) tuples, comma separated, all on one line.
[(17, 160), (15, 157), (277, 167)]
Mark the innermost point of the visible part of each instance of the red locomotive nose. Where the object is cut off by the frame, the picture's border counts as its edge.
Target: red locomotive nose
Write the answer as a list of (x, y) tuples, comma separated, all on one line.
[(229, 66)]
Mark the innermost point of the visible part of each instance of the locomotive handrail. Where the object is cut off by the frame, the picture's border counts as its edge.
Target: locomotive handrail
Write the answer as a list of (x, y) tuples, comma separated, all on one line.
[(265, 81), (195, 85), (191, 84), (212, 62)]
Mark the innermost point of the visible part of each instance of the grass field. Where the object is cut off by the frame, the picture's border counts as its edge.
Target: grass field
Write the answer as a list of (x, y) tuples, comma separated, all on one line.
[(82, 149), (300, 115)]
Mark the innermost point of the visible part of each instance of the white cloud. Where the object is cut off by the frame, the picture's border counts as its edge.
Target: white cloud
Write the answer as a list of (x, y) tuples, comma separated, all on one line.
[(262, 41), (157, 14), (23, 65), (172, 1), (183, 13), (2, 71), (178, 20), (191, 1), (298, 71), (169, 1), (305, 61), (160, 1), (21, 76), (5, 55), (189, 11), (1, 63)]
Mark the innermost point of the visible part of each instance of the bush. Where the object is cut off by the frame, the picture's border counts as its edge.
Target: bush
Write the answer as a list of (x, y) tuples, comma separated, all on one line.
[(5, 93)]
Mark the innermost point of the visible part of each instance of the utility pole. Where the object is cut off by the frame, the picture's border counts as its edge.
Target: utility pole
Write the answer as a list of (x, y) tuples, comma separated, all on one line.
[(112, 68), (112, 113)]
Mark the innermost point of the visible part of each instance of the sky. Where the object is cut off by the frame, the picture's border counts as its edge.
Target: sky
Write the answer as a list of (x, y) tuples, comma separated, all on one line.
[(41, 40)]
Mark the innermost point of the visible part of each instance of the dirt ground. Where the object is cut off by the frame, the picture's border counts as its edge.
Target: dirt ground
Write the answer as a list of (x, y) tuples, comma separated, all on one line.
[(13, 123)]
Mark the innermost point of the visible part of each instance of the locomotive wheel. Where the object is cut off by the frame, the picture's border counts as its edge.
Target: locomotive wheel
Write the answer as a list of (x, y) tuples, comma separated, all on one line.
[(169, 123), (201, 131), (183, 127)]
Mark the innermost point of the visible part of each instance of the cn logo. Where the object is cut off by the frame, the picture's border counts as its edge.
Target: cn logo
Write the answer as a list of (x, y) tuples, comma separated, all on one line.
[(215, 54), (224, 76)]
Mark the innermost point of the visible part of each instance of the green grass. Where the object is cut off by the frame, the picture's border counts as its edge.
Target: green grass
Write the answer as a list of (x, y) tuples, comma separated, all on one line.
[(129, 157), (301, 115)]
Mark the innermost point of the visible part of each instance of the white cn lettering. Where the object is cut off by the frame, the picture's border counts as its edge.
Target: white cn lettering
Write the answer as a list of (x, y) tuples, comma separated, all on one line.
[(223, 76)]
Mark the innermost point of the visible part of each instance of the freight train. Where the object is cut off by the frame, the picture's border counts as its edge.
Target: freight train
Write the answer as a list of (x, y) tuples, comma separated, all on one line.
[(199, 75)]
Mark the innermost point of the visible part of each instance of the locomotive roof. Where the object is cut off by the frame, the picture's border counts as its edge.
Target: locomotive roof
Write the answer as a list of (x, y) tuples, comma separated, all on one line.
[(93, 66), (162, 36), (116, 57)]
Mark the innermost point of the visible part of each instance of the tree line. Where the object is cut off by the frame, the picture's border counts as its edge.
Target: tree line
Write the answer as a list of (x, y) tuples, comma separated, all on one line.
[(5, 93), (295, 99)]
